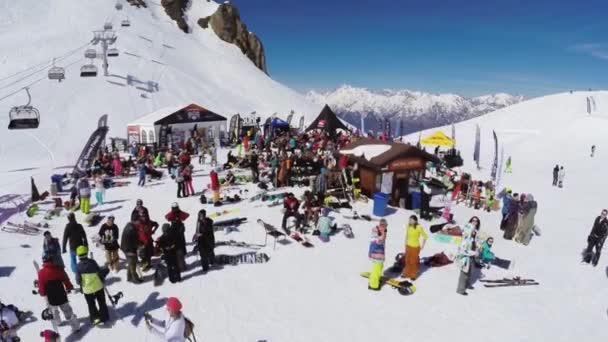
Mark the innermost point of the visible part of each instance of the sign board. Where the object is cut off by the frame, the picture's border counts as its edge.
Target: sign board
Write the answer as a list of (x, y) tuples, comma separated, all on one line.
[(406, 164), (133, 134)]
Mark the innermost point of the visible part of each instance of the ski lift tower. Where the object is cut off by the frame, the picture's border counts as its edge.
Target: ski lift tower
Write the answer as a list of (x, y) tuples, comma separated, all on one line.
[(105, 38)]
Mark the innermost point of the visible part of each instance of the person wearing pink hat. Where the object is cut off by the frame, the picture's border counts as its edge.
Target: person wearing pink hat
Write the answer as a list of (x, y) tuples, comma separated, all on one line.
[(173, 328)]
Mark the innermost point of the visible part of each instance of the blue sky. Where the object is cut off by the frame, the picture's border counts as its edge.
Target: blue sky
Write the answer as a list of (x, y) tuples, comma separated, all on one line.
[(470, 47)]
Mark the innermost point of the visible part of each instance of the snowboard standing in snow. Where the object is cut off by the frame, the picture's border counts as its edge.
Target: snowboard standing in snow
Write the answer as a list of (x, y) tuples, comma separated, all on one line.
[(404, 287)]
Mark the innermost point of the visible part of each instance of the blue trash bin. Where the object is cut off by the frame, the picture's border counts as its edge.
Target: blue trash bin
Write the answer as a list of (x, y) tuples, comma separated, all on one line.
[(416, 200), (380, 203)]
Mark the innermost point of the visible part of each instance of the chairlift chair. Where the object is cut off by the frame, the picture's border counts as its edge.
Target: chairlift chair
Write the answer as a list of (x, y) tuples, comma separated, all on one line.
[(24, 117), (56, 73), (107, 26), (88, 70), (113, 52), (118, 6), (90, 53), (125, 23)]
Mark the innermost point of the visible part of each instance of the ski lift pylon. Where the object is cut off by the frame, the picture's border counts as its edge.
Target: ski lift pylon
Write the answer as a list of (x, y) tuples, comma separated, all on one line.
[(24, 117), (56, 73), (88, 70)]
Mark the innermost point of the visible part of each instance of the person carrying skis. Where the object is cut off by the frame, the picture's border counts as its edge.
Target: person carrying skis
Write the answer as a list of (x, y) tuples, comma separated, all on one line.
[(205, 239), (177, 217), (52, 249), (555, 174), (596, 239), (167, 245), (108, 236), (128, 245), (377, 254), (90, 278), (415, 238), (175, 328), (139, 211), (467, 250), (560, 177), (75, 234), (291, 206), (84, 191), (54, 284)]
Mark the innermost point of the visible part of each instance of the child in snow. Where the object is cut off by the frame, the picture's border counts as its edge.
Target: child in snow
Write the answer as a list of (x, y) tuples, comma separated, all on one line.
[(377, 254), (486, 256), (100, 189), (324, 225)]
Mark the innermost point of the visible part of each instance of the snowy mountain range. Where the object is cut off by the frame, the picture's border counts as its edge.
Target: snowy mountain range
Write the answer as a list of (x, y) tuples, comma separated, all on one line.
[(419, 110)]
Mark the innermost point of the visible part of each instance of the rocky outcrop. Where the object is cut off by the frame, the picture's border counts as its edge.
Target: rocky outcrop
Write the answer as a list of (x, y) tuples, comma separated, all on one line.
[(175, 10), (226, 23)]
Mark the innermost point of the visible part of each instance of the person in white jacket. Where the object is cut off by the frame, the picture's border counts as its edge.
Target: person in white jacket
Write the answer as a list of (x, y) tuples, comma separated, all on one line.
[(173, 327)]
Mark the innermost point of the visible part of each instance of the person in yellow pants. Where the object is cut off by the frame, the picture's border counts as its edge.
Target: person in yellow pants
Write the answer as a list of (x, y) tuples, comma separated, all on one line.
[(377, 254), (415, 238)]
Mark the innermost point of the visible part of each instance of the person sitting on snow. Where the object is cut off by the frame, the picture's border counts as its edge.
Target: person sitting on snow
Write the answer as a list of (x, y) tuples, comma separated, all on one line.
[(324, 225), (230, 179), (291, 206)]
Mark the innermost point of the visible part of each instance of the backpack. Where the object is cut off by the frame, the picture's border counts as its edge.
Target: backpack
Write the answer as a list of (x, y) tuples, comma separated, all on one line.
[(189, 330)]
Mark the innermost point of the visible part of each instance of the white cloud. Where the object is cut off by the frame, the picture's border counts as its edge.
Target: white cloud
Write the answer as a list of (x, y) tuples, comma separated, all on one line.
[(596, 50)]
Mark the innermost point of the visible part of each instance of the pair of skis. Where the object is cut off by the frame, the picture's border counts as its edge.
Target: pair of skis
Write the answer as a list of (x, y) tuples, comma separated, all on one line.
[(25, 229), (506, 282)]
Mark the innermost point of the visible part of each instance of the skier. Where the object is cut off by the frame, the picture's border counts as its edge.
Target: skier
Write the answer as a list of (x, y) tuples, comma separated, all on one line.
[(52, 248), (377, 254), (205, 239), (139, 210), (596, 239), (523, 233), (53, 283), (291, 206), (84, 191), (175, 327), (215, 186), (128, 245), (508, 168), (90, 278), (108, 235), (466, 251), (592, 151), (167, 244), (177, 217), (74, 232), (413, 246), (555, 174), (560, 177)]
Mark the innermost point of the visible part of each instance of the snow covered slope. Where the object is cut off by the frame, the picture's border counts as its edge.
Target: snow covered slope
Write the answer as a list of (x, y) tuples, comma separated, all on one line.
[(196, 67), (419, 110)]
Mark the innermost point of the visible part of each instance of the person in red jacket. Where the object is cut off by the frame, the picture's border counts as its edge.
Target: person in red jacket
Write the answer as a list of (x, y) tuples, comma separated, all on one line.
[(215, 186), (53, 283), (291, 206), (145, 228), (177, 217)]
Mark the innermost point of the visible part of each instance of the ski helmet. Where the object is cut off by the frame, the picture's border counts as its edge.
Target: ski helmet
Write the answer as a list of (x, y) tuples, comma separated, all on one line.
[(82, 251), (174, 305), (174, 205)]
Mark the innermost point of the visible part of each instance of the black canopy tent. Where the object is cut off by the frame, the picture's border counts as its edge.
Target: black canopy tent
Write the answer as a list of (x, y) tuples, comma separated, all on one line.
[(327, 121)]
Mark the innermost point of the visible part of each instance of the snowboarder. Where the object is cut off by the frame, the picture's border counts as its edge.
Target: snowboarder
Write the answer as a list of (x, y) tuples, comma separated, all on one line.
[(167, 244), (128, 245), (139, 210), (177, 217), (52, 248), (523, 233), (84, 191), (175, 328), (54, 284), (555, 174), (415, 238), (596, 239), (592, 151), (108, 236), (90, 278), (508, 168), (205, 239), (291, 206), (467, 250), (377, 254), (74, 232), (560, 177)]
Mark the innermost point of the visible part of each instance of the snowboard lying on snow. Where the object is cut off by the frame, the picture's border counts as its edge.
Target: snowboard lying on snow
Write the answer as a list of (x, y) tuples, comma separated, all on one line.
[(404, 287), (243, 258)]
